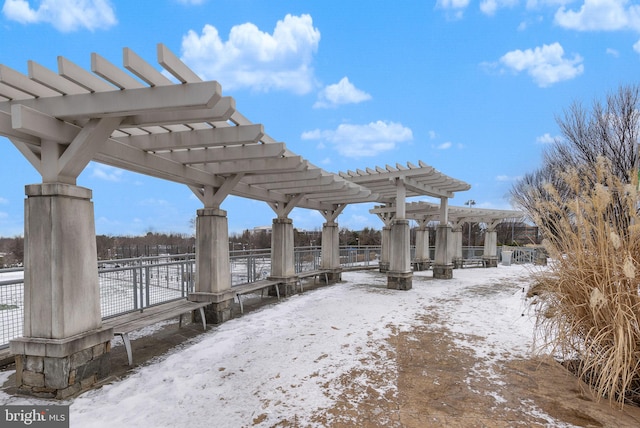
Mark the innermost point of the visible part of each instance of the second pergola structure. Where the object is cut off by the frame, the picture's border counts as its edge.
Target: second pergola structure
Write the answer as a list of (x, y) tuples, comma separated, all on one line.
[(395, 185), (448, 251)]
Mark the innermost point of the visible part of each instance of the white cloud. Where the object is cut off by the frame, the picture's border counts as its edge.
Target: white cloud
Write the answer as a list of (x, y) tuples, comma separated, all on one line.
[(343, 92), (608, 15), (613, 52), (546, 139), (504, 178), (445, 146), (253, 59), (546, 65), (357, 141), (489, 7), (3, 201), (432, 135), (64, 15), (456, 7), (105, 172), (536, 4), (636, 46)]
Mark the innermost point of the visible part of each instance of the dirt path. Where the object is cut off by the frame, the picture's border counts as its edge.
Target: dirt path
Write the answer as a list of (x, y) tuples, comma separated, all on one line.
[(441, 384)]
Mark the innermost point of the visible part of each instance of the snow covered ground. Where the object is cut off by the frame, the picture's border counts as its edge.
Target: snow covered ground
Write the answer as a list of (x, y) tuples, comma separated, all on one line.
[(285, 360)]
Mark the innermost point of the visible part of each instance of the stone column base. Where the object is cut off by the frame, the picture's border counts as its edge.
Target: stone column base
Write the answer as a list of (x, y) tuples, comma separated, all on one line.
[(490, 261), (286, 285), (443, 271), (400, 280), (332, 277), (421, 265), (218, 311), (384, 267), (62, 368)]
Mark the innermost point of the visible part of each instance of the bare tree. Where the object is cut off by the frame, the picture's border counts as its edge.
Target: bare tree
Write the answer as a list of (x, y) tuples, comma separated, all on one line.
[(609, 130)]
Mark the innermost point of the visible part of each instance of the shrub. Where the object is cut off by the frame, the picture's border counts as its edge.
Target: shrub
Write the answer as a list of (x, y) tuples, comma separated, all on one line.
[(589, 308)]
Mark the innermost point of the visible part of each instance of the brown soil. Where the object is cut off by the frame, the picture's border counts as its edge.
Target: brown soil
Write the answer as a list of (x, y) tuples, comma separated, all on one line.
[(440, 384), (433, 383)]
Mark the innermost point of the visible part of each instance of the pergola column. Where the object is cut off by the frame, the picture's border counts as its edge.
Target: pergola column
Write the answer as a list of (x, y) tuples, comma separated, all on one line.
[(490, 255), (387, 218), (443, 267), (213, 271), (422, 260), (330, 259), (213, 275), (456, 244), (400, 275), (64, 348), (282, 246)]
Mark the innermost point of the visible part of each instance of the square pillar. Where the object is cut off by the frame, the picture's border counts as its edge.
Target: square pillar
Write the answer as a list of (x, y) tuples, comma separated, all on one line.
[(456, 246), (422, 260), (282, 258), (385, 250), (330, 259), (443, 267), (64, 349), (490, 255), (213, 274), (400, 276)]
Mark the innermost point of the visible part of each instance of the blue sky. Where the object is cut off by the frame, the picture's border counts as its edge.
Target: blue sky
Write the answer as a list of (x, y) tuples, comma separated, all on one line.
[(470, 88)]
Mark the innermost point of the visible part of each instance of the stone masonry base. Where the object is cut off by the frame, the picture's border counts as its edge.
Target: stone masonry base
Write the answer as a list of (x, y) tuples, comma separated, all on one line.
[(400, 281), (62, 377), (443, 271)]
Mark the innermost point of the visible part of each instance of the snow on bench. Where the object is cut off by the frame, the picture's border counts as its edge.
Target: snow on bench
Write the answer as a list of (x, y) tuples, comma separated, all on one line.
[(124, 324)]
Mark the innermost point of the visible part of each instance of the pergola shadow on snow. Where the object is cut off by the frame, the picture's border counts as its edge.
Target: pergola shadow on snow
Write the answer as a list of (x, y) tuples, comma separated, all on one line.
[(448, 253), (173, 126)]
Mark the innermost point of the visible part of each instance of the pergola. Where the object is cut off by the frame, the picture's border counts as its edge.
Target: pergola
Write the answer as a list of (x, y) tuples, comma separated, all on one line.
[(451, 254), (395, 185), (171, 125)]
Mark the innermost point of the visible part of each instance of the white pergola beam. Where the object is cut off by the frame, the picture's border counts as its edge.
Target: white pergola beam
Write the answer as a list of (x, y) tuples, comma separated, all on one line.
[(52, 80), (19, 81), (173, 65), (227, 154), (221, 111), (113, 74), (289, 184), (81, 77), (129, 102), (233, 135), (279, 177), (256, 166), (143, 69), (86, 144), (12, 93)]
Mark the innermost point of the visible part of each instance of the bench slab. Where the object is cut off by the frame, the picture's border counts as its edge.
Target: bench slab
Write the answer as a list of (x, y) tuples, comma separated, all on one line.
[(124, 324)]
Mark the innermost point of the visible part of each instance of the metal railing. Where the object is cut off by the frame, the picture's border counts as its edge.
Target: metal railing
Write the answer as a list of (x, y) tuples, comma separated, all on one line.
[(11, 310), (524, 255), (133, 284), (128, 285), (359, 256)]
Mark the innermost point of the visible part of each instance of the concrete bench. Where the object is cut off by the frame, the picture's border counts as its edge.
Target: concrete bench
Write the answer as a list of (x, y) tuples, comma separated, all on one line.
[(312, 274), (124, 324), (239, 290)]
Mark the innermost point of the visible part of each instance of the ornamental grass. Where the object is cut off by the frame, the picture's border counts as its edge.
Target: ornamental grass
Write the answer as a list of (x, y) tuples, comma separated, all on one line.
[(588, 309)]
